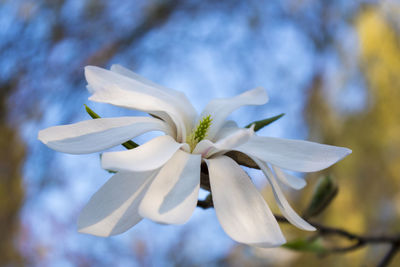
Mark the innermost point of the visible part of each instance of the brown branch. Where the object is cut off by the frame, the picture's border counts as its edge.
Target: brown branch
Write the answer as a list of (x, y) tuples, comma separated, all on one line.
[(157, 15), (323, 230), (389, 255)]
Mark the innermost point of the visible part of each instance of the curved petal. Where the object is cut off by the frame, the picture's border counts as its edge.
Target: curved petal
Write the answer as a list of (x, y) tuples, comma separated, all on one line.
[(168, 120), (283, 205), (240, 208), (172, 196), (207, 148), (296, 155), (228, 128), (113, 209), (236, 138), (116, 89), (183, 100), (99, 134), (219, 109), (288, 179), (148, 156)]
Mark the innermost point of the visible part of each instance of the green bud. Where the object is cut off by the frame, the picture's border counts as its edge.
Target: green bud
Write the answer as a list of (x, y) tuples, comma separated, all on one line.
[(324, 192), (258, 125), (306, 245)]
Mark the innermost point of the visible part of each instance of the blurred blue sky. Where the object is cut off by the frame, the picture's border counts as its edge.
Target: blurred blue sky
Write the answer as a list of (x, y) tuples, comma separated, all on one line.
[(212, 50)]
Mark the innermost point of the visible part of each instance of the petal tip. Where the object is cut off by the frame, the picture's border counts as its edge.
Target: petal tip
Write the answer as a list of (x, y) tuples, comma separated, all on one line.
[(89, 231), (88, 69), (345, 152), (280, 240), (91, 71), (263, 94), (310, 228), (299, 185), (89, 228), (113, 66), (41, 136)]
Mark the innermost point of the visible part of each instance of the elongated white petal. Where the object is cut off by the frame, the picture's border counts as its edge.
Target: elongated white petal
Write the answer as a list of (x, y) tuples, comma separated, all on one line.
[(114, 208), (288, 179), (99, 134), (228, 128), (240, 208), (148, 156), (236, 138), (116, 89), (296, 155), (167, 119), (219, 109), (172, 196), (283, 205), (184, 103), (128, 73), (183, 100)]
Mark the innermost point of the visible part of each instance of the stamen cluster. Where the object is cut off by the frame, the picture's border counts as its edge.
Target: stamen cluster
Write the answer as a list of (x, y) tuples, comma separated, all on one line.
[(200, 132)]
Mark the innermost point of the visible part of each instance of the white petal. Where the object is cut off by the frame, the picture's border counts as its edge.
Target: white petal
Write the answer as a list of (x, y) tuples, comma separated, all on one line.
[(283, 205), (148, 156), (207, 148), (114, 208), (172, 196), (116, 89), (296, 155), (168, 120), (240, 208), (99, 134), (219, 109), (235, 139), (128, 73), (183, 102), (228, 128), (288, 179)]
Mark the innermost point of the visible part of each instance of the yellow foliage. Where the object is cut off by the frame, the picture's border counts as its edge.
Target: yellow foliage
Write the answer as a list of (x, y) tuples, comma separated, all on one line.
[(369, 179)]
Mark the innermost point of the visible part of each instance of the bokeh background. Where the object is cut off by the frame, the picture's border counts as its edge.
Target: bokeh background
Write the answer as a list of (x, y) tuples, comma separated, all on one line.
[(332, 66)]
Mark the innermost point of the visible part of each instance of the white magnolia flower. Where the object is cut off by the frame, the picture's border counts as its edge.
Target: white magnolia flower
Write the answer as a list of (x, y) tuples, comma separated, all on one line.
[(160, 179)]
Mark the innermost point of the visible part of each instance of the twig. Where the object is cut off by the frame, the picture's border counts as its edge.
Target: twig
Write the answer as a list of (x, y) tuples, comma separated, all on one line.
[(323, 230), (389, 255)]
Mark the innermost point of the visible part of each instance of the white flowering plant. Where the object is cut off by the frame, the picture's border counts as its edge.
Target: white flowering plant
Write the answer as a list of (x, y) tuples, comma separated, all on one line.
[(160, 179)]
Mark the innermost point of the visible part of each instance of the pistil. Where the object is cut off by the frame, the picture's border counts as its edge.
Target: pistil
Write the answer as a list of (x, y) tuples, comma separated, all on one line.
[(200, 132)]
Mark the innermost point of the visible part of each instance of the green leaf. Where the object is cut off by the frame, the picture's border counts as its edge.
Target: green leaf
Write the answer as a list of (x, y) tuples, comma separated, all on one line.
[(305, 245), (258, 125), (128, 144), (324, 192), (91, 113)]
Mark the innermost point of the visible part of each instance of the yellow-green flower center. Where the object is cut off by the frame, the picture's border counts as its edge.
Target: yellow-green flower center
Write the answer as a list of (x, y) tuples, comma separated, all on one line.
[(200, 132)]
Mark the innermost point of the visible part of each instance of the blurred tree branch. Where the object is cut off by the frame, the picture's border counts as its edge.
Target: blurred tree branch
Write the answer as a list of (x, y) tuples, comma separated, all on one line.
[(12, 193), (158, 14), (323, 230)]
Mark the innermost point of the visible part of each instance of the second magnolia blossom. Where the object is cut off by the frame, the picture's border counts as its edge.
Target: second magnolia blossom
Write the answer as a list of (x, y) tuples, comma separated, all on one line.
[(160, 180)]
